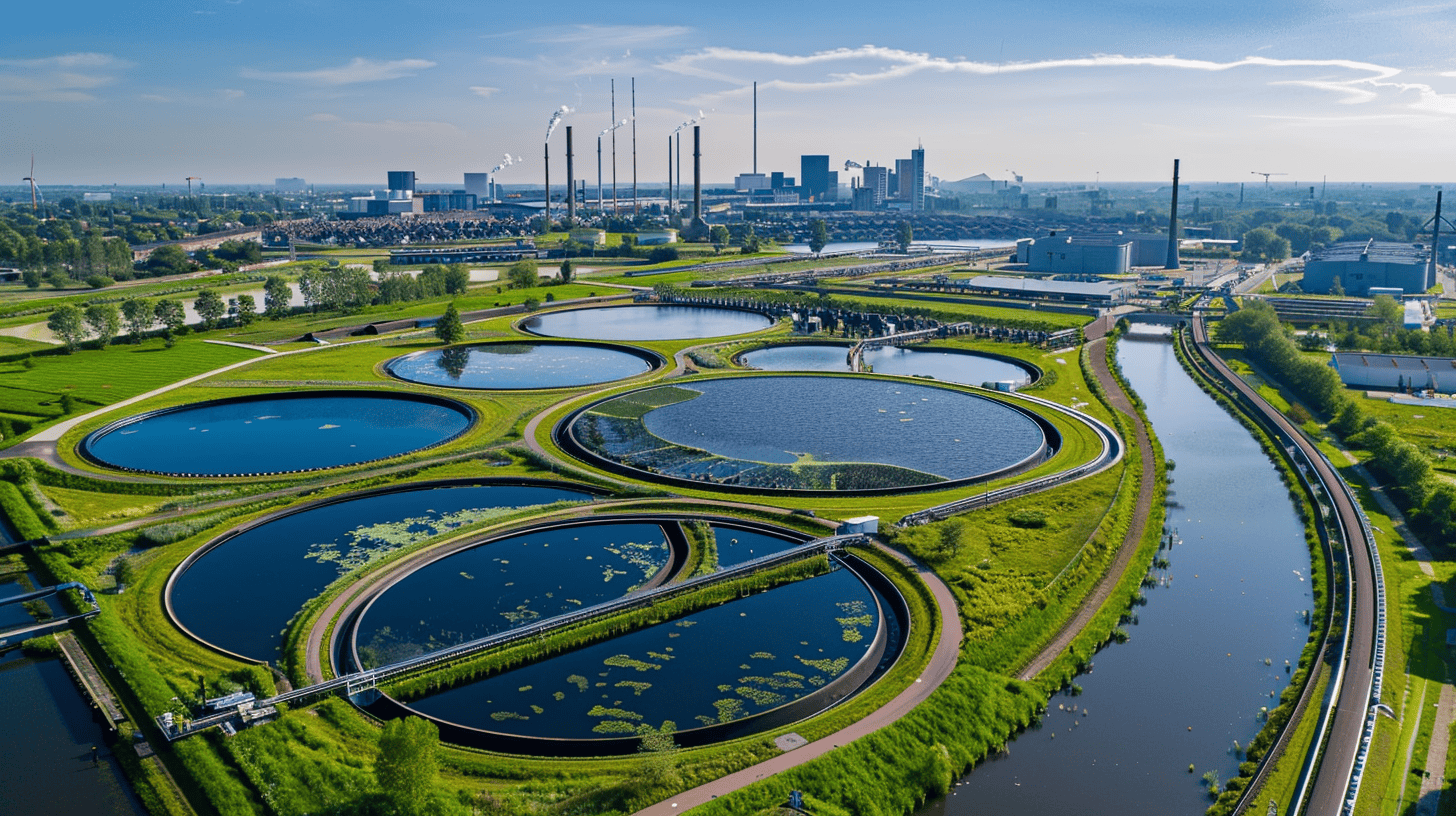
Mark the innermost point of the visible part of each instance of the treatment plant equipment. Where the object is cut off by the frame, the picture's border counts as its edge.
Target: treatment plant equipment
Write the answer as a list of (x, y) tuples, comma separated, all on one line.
[(361, 684)]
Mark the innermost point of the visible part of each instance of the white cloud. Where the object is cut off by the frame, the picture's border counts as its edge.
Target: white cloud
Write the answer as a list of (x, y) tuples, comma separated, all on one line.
[(609, 37), (231, 93), (1354, 82), (357, 70), (61, 78), (484, 90), (324, 117)]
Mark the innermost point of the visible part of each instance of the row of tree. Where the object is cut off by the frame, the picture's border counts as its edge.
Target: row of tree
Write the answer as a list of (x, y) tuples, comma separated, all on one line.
[(102, 323), (1430, 502)]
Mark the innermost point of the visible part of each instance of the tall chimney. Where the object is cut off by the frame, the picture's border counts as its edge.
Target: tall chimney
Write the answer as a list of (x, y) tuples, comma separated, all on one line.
[(1173, 224), (614, 147), (546, 150), (697, 173), (669, 172), (755, 127), (600, 209), (1435, 276), (635, 208), (570, 180)]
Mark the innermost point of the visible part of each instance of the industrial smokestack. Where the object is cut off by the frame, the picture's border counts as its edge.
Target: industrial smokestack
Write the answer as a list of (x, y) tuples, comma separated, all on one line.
[(697, 173), (1173, 224), (614, 147), (1435, 275), (755, 127), (669, 173), (635, 209), (600, 207), (546, 151), (570, 180)]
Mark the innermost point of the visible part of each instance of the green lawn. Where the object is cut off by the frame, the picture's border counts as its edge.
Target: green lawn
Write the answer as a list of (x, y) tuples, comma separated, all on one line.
[(33, 388)]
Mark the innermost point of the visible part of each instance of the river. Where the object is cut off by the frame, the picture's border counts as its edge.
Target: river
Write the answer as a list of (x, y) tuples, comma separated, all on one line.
[(1207, 650)]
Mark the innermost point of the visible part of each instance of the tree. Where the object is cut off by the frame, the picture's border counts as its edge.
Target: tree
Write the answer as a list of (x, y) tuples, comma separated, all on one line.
[(209, 306), (169, 260), (659, 763), (522, 275), (566, 270), (139, 317), (819, 235), (948, 542), (1263, 245), (406, 766), (904, 235), (172, 317), (662, 254), (457, 279), (718, 235), (68, 323), (32, 278), (1387, 311), (276, 297), (247, 310), (1336, 287), (104, 320), (449, 328)]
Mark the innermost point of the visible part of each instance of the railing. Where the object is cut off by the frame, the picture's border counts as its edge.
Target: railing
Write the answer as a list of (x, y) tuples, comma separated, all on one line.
[(1112, 452)]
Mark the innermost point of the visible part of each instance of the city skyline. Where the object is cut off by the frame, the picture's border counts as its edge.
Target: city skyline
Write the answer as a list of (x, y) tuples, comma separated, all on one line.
[(243, 91)]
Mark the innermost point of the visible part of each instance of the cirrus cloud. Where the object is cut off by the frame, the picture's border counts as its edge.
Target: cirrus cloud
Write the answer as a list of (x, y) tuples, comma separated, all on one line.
[(60, 78), (354, 72)]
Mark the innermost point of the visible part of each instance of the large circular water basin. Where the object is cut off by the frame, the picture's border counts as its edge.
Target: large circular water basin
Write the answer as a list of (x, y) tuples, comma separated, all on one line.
[(954, 366), (748, 665), (809, 433), (646, 322), (521, 365), (277, 433), (271, 569), (508, 582)]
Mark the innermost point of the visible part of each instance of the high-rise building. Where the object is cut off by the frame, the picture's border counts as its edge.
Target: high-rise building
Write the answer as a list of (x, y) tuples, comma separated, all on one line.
[(877, 181), (814, 176), (478, 185), (904, 174), (917, 173), (400, 180)]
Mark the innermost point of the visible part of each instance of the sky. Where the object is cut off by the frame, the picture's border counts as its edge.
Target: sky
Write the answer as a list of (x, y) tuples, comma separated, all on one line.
[(244, 91)]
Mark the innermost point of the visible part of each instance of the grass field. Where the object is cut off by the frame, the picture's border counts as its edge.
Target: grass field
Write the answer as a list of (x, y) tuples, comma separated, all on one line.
[(33, 388)]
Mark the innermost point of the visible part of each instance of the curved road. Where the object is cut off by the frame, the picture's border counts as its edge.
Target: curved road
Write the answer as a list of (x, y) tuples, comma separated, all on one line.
[(1332, 779), (942, 662)]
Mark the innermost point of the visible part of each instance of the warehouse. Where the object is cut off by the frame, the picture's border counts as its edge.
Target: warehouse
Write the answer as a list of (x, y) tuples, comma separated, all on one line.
[(1393, 372), (1359, 265)]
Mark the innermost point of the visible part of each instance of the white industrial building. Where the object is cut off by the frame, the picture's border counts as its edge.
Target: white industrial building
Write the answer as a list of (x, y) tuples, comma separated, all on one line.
[(1391, 372)]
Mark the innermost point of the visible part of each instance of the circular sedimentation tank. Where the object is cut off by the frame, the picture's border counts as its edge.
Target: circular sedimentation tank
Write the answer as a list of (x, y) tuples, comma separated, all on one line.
[(272, 567), (960, 366), (277, 433), (752, 664), (518, 366), (646, 322), (811, 434)]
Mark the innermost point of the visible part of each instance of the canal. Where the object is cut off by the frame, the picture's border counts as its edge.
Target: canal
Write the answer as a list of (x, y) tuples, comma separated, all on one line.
[(1207, 650)]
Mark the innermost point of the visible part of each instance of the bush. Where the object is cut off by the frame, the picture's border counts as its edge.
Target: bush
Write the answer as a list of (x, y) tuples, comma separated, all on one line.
[(662, 254), (1028, 519)]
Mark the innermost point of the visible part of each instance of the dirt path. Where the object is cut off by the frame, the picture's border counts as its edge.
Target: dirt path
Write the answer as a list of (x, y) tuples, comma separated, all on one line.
[(1096, 351), (942, 662), (1435, 779)]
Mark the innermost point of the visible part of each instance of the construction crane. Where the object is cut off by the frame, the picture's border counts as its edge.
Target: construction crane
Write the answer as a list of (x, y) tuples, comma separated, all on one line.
[(31, 178), (1015, 175), (1266, 176), (191, 179), (850, 163)]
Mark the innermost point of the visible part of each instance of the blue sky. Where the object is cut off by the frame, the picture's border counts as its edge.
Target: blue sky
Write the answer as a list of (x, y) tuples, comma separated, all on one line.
[(242, 91)]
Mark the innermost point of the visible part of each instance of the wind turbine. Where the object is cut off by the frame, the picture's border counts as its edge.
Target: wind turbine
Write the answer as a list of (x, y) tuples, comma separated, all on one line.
[(31, 178)]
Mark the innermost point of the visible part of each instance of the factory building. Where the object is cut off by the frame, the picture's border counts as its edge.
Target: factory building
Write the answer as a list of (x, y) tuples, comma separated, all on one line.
[(1393, 372), (1362, 264), (814, 175), (1114, 253), (1097, 292)]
